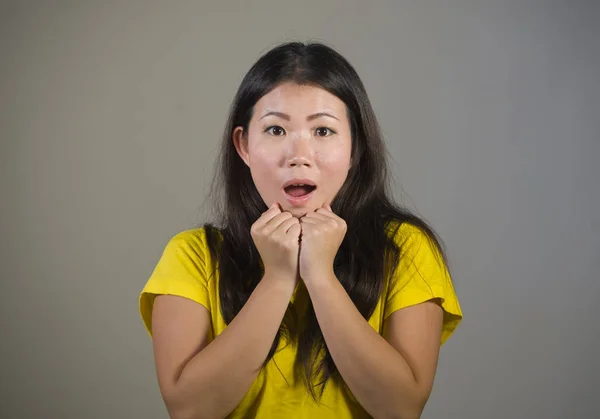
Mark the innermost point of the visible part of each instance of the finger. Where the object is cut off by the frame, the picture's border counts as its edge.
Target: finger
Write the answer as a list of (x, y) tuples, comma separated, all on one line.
[(312, 221), (274, 222), (268, 214), (285, 225), (324, 208), (327, 213), (317, 215), (295, 230)]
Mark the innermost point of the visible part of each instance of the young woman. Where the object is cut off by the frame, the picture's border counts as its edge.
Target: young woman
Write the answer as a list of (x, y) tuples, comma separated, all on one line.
[(315, 296)]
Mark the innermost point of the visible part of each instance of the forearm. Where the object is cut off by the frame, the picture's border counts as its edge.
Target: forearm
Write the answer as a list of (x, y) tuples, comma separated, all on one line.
[(214, 382), (377, 374)]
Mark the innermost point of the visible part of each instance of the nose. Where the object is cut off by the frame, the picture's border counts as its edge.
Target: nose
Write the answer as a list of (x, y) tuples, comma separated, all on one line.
[(300, 153)]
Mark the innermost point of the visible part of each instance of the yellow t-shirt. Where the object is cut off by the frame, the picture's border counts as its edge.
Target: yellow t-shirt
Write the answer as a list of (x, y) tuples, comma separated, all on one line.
[(185, 270)]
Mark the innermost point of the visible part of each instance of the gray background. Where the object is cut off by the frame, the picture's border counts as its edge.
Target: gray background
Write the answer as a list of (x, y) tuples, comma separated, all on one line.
[(110, 116)]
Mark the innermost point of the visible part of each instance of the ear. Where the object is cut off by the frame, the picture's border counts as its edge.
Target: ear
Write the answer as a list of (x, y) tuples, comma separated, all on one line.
[(240, 141)]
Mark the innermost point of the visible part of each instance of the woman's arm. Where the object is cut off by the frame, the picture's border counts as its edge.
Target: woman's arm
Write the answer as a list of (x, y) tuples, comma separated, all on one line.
[(208, 381), (200, 380), (390, 378)]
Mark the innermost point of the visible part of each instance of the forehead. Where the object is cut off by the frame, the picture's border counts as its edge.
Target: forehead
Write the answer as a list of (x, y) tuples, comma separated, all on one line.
[(295, 99)]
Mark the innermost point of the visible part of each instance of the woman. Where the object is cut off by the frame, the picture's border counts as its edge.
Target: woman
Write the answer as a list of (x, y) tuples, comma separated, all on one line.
[(315, 295)]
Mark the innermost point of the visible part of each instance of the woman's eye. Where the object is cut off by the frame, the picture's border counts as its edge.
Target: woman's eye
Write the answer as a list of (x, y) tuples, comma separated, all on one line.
[(275, 130), (323, 132)]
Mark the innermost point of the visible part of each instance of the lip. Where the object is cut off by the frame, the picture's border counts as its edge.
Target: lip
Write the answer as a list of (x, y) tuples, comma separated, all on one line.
[(297, 180), (298, 201)]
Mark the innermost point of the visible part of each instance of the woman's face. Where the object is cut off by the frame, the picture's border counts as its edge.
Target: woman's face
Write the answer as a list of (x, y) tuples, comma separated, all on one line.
[(298, 147)]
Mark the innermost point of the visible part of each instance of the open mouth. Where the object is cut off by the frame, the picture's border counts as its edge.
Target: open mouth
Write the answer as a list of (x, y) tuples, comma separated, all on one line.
[(298, 190)]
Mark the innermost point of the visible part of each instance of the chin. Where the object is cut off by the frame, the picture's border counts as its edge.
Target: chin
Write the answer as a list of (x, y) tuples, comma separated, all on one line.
[(298, 212)]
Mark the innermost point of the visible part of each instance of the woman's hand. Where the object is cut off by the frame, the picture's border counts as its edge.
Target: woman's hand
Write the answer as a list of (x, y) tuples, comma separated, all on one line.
[(275, 235), (322, 235)]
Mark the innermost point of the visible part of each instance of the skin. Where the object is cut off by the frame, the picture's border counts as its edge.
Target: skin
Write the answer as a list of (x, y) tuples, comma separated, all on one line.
[(297, 132), (390, 375)]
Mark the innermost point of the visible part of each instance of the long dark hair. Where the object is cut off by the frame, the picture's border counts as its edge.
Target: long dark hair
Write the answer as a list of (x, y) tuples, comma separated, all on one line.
[(368, 254)]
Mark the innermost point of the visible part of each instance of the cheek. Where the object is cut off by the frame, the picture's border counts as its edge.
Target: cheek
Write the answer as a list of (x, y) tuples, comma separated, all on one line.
[(262, 159), (335, 162), (263, 168)]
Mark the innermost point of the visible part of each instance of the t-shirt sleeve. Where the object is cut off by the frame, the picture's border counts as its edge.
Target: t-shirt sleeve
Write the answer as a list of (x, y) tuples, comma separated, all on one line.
[(181, 271), (422, 275)]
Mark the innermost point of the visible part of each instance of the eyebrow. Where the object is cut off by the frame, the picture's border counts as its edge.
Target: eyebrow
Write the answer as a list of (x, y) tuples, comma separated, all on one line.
[(308, 118)]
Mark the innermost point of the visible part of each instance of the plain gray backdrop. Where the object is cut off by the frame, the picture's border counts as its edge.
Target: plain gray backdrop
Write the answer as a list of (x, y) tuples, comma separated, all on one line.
[(110, 117)]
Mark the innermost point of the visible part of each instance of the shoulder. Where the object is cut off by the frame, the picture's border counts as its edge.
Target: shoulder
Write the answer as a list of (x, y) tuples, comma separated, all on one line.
[(194, 242), (412, 240), (421, 274), (418, 262), (187, 257), (184, 269), (195, 237), (403, 229)]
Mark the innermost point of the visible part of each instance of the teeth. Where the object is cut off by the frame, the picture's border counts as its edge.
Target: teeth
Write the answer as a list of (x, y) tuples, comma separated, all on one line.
[(299, 184)]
